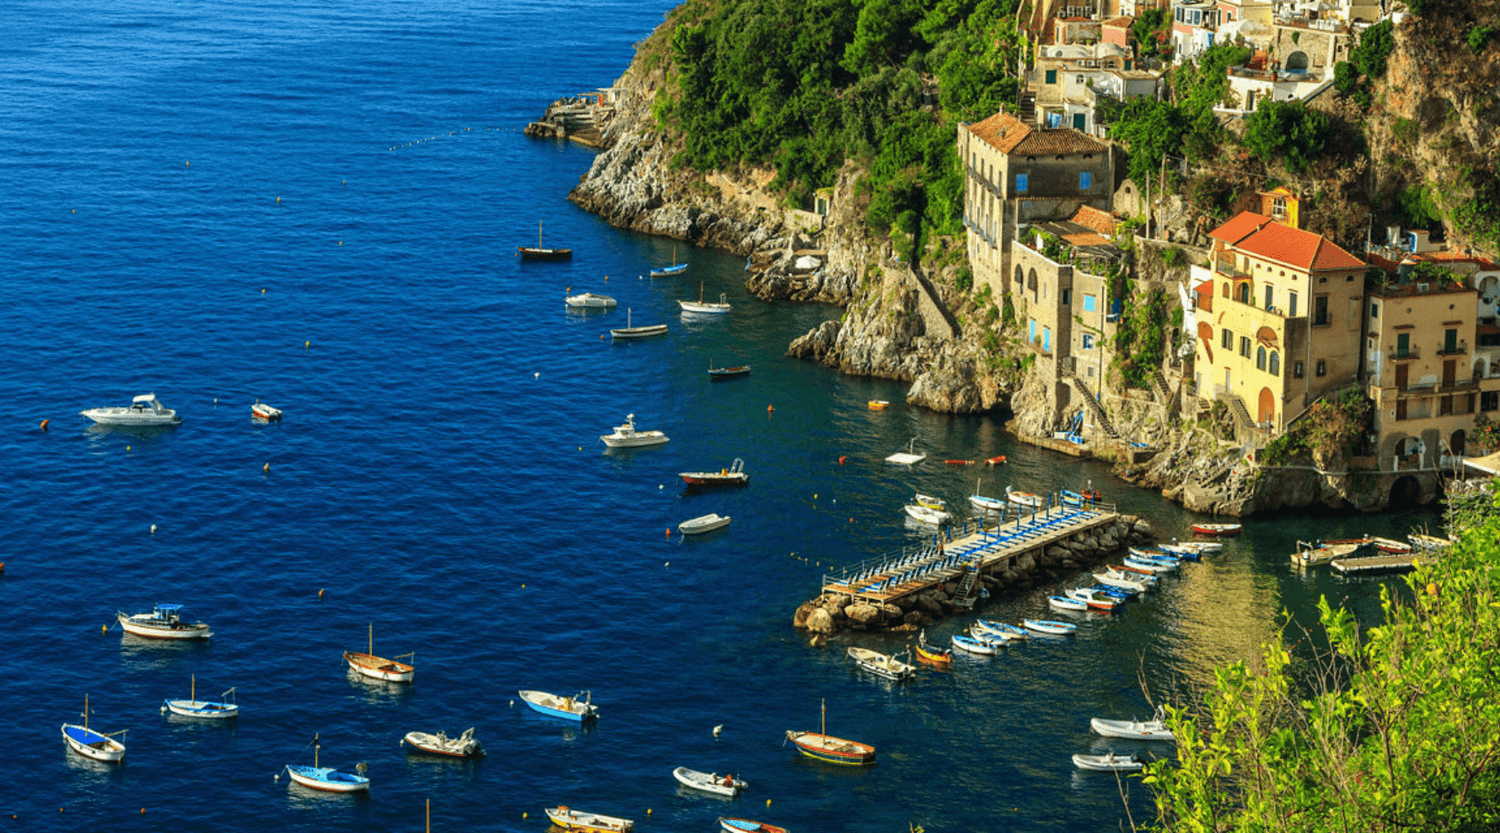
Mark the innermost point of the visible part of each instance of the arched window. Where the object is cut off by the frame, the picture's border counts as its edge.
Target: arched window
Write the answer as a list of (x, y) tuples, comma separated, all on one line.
[(1275, 363), (1260, 358), (1243, 291), (1226, 290)]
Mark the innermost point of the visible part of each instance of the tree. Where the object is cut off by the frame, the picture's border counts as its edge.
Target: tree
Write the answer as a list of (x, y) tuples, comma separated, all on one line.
[(1374, 48), (1289, 131), (1150, 130)]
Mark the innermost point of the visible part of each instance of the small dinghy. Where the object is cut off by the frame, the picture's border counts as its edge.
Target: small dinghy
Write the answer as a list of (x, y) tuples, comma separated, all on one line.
[(164, 622), (1050, 627), (984, 503), (205, 709), (709, 782), (877, 404), (1217, 529), (729, 825), (724, 374), (1010, 632), (1066, 604), (380, 668), (973, 646), (1108, 762), (1113, 579), (1027, 499), (931, 654), (1096, 601), (703, 523), (261, 410), (579, 707), (732, 475), (589, 300), (1132, 729), (1192, 549), (569, 819), (632, 331), (91, 743), (881, 665), (926, 514), (325, 778), (1147, 563), (995, 461), (463, 746)]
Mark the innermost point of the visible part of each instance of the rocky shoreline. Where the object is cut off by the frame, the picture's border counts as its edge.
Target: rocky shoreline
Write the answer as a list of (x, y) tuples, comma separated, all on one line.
[(831, 613)]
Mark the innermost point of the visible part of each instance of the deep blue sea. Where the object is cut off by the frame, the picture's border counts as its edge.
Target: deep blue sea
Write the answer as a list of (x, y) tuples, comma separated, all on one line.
[(317, 204)]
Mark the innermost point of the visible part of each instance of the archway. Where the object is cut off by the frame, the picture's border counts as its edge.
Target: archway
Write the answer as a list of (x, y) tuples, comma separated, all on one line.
[(1456, 443), (1296, 62), (1267, 410), (1405, 492), (1020, 275)]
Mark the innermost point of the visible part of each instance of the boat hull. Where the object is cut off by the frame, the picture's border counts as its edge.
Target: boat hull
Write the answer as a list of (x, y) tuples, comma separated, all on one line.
[(588, 822), (703, 523), (534, 253), (380, 668), (1049, 627), (707, 478), (639, 440), (202, 709), (92, 744), (1106, 763), (721, 374), (589, 300), (832, 750), (144, 624), (567, 708), (326, 779), (1026, 499), (124, 416), (430, 744), (729, 825), (1132, 730), (708, 782)]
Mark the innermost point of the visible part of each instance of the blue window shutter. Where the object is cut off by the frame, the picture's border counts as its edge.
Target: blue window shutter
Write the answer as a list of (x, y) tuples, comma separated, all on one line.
[(1020, 182), (1047, 338), (1032, 337), (1085, 181), (1088, 305), (1051, 76)]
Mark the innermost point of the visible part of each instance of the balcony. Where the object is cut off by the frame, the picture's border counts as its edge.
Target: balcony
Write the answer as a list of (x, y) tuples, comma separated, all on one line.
[(1225, 266), (1398, 354), (1457, 349)]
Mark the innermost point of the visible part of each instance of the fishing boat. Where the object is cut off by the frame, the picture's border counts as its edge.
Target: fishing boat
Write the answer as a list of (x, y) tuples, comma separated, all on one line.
[(881, 665), (539, 252), (1154, 564), (988, 637), (577, 820), (877, 404), (703, 523), (829, 749), (579, 707), (325, 778), (164, 622), (969, 644), (709, 782), (220, 709), (984, 503), (1010, 632), (1078, 499), (930, 501), (1110, 578), (463, 746), (1311, 555), (724, 374), (1066, 604), (1049, 627), (1108, 761), (1431, 543), (380, 668), (1132, 729), (92, 743), (643, 331), (144, 410), (1198, 548), (931, 654), (1217, 529), (702, 307), (926, 515), (1172, 550), (909, 457), (261, 410), (626, 436), (995, 461), (1095, 601), (731, 825), (590, 300), (734, 475), (675, 270), (1026, 499)]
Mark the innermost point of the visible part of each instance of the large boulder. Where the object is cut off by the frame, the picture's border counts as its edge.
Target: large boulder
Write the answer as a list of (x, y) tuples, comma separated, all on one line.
[(804, 610), (892, 611), (1025, 563), (819, 621), (929, 604), (862, 614)]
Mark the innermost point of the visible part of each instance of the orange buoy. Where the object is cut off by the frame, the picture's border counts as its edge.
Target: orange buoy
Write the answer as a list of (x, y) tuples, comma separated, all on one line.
[(320, 593), (842, 459), (669, 532), (44, 424), (770, 408)]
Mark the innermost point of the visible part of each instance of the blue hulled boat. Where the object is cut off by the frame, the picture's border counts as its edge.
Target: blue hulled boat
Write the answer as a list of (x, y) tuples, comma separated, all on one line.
[(579, 707)]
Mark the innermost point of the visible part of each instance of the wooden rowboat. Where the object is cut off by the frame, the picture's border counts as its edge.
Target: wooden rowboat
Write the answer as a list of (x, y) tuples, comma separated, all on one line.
[(570, 819), (729, 825), (325, 778), (1217, 529), (877, 404), (380, 668), (931, 654), (830, 749)]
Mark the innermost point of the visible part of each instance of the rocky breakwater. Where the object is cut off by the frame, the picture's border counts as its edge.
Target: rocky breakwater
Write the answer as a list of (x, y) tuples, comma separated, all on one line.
[(831, 613)]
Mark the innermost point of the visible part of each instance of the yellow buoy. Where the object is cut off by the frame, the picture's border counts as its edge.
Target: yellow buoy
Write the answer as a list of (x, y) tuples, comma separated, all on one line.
[(127, 448), (768, 802), (187, 164), (44, 424), (306, 345), (266, 468), (278, 200), (320, 592), (262, 292)]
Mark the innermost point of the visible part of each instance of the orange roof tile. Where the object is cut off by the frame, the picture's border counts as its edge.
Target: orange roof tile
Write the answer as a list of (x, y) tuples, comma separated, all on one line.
[(1259, 235), (1100, 221), (1241, 226), (1008, 134), (1122, 22)]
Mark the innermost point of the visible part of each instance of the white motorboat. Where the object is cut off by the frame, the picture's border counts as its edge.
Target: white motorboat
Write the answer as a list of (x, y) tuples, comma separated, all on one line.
[(709, 782), (145, 409), (165, 622), (881, 665), (1112, 578), (1132, 729), (463, 746), (92, 743), (380, 668), (625, 436), (261, 410), (1193, 547), (926, 515), (1067, 604), (1108, 762), (204, 709), (579, 707), (703, 523), (706, 307), (589, 300)]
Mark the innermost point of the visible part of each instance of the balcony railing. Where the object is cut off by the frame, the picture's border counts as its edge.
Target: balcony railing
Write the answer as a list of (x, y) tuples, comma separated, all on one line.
[(1399, 354), (1226, 266), (1457, 349)]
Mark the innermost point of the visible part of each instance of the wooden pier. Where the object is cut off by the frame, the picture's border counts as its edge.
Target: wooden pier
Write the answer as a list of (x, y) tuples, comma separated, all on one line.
[(982, 548)]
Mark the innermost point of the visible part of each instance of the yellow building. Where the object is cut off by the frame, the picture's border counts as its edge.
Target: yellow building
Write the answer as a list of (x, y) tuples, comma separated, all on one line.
[(1279, 319)]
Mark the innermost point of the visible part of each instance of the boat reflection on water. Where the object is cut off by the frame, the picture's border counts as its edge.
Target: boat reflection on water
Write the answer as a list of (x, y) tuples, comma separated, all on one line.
[(377, 692), (140, 653)]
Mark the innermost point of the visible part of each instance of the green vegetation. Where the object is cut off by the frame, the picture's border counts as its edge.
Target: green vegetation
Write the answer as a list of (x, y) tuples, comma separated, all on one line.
[(1479, 37), (1333, 427), (1352, 78), (1152, 30), (1392, 728), (804, 85), (1141, 338), (1184, 125), (1289, 131)]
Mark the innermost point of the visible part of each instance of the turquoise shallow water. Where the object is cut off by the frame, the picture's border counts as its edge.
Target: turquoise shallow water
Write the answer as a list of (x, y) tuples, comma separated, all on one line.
[(438, 472)]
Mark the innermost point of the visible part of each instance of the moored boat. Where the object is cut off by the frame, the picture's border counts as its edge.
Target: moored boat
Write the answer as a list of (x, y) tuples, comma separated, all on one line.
[(144, 410), (931, 654), (1026, 499), (1108, 761), (1010, 632), (969, 644), (163, 622), (703, 523), (1431, 543), (579, 707), (1132, 729), (1095, 601), (380, 668), (709, 782), (877, 404), (1195, 548), (569, 819), (1067, 604), (92, 743), (723, 374), (221, 709), (926, 515), (703, 307), (995, 461), (631, 331), (881, 665), (540, 252), (985, 503), (325, 778), (1087, 497), (1217, 529), (733, 475), (463, 746), (1112, 578), (824, 747), (733, 825), (589, 300), (626, 436), (1154, 564), (261, 410), (1050, 627), (1310, 555)]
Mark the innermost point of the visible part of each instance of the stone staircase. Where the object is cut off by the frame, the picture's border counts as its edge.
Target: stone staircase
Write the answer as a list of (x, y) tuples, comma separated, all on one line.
[(1239, 412), (1093, 405), (1026, 107)]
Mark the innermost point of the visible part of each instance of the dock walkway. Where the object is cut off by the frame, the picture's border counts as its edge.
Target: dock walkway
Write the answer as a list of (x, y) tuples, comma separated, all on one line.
[(894, 575)]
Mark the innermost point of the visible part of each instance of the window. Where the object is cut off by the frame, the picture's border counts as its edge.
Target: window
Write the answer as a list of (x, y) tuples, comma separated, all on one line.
[(1320, 310), (1242, 292), (1089, 302), (1226, 339), (1400, 409), (1226, 289), (1291, 303), (1047, 338), (1031, 336), (1268, 297), (1051, 76), (1275, 363), (1260, 358), (1445, 406), (1085, 181), (1403, 345), (1067, 297), (1450, 340), (1374, 310), (1322, 368), (1020, 183), (1245, 347), (1296, 370), (1088, 341), (1489, 400)]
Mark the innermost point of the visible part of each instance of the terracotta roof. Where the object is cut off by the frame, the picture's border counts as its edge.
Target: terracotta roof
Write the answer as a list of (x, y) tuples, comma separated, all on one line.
[(1086, 238), (1100, 221), (1259, 235), (1123, 21), (1008, 134)]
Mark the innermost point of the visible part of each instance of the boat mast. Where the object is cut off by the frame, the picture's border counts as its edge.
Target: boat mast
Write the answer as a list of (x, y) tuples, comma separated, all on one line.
[(315, 751), (371, 651), (193, 691), (538, 234), (85, 715), (823, 717)]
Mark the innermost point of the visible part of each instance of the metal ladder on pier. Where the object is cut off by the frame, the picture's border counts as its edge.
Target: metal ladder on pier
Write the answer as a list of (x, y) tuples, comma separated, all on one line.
[(965, 595)]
